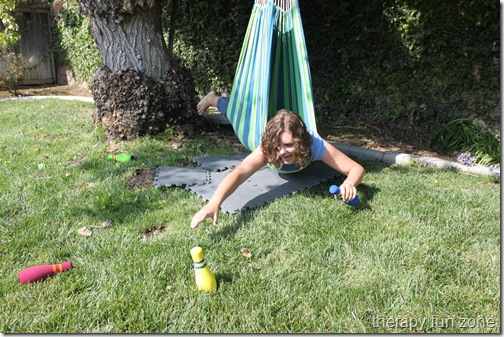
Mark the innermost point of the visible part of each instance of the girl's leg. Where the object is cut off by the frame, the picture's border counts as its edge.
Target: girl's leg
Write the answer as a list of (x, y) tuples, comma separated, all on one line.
[(222, 103)]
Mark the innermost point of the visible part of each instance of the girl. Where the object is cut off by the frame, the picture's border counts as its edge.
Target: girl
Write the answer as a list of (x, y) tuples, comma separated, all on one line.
[(287, 145)]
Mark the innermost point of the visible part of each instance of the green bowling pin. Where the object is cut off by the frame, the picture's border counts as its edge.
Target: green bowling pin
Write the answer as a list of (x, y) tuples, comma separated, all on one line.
[(121, 157)]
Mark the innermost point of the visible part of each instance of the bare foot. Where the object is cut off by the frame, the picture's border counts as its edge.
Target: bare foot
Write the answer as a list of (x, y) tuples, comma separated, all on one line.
[(209, 99), (225, 94)]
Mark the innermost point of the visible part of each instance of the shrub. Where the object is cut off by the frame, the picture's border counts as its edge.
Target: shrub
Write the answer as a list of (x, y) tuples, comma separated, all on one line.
[(74, 45), (12, 68), (467, 135)]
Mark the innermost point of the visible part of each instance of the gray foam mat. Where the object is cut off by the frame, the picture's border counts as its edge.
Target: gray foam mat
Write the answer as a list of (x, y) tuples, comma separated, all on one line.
[(265, 186), (220, 163), (181, 176), (262, 187)]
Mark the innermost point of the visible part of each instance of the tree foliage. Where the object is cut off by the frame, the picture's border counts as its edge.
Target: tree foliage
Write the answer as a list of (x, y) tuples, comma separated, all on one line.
[(9, 34), (12, 64)]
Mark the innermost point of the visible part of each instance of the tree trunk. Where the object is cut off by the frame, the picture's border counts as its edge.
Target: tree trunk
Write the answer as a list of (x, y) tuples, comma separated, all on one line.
[(140, 87)]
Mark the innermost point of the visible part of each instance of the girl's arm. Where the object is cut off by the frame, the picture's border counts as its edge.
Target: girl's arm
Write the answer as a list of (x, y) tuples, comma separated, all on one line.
[(344, 164), (251, 164)]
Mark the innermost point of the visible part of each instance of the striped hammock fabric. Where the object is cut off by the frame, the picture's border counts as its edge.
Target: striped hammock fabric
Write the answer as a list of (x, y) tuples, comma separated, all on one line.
[(272, 73)]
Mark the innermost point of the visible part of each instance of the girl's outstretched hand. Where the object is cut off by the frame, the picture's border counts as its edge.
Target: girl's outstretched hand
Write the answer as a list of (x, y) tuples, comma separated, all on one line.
[(208, 211), (348, 192)]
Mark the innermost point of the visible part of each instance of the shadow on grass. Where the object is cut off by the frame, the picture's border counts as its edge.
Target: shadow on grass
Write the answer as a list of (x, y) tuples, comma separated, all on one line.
[(225, 278), (317, 193)]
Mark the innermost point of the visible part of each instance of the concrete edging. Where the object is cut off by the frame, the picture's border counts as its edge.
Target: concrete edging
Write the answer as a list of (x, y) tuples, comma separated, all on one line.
[(406, 159)]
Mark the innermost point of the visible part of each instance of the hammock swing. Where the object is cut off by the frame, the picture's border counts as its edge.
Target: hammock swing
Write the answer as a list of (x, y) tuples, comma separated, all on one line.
[(272, 73)]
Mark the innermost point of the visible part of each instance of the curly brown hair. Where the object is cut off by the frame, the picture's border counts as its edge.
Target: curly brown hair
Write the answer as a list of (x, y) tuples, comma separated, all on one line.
[(286, 120)]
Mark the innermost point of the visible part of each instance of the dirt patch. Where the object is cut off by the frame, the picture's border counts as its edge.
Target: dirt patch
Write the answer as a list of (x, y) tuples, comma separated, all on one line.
[(141, 179), (153, 232)]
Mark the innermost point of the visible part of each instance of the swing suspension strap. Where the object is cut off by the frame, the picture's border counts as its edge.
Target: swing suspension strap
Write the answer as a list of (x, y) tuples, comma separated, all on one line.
[(273, 72)]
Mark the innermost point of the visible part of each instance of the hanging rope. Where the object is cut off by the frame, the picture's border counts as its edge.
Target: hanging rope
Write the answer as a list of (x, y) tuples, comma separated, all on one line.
[(284, 5)]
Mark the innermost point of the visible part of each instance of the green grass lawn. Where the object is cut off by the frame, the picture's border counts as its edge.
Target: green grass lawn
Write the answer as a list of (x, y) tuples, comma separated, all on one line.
[(421, 252)]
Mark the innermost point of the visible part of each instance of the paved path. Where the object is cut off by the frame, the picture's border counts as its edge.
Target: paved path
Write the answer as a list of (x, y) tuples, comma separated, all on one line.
[(353, 151)]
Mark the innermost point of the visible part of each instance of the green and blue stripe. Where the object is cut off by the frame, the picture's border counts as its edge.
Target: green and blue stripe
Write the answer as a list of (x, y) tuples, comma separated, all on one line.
[(273, 71)]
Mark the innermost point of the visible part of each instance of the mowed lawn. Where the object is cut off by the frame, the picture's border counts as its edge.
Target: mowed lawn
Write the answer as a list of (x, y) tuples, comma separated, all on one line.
[(421, 253)]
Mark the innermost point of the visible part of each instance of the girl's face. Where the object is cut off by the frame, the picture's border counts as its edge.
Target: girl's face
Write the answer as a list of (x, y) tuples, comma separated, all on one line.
[(287, 148)]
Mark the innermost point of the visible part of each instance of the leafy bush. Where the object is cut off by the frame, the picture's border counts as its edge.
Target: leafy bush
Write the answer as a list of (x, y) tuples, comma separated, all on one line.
[(12, 68), (467, 135), (74, 44), (209, 39)]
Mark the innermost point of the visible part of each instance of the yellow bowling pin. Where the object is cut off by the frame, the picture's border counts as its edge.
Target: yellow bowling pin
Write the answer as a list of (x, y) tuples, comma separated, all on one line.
[(205, 279)]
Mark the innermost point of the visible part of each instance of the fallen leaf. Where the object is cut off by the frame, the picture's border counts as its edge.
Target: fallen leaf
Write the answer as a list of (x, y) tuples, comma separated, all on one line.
[(246, 253), (84, 231)]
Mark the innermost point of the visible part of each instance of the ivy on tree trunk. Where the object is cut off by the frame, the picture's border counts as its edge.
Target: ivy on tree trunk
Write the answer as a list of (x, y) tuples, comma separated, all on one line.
[(140, 87)]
